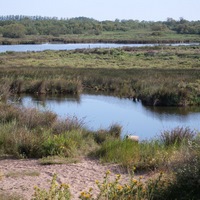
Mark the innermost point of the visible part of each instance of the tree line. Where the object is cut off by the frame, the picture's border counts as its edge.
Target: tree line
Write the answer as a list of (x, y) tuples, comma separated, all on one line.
[(17, 26)]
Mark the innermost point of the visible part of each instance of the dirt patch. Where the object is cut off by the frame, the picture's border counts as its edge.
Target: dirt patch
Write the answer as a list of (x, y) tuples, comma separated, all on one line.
[(20, 176)]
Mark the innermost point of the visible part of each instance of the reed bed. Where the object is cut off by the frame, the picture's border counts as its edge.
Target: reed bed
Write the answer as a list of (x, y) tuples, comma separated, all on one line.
[(155, 75)]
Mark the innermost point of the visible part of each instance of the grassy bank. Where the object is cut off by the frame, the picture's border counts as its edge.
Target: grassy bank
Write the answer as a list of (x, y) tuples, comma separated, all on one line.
[(156, 75), (140, 36), (28, 133)]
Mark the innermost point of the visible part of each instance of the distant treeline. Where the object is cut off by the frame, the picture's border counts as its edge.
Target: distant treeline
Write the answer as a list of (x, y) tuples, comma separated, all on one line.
[(17, 26)]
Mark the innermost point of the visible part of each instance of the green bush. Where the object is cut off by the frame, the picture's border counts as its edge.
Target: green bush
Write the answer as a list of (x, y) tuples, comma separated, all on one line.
[(14, 31), (145, 155)]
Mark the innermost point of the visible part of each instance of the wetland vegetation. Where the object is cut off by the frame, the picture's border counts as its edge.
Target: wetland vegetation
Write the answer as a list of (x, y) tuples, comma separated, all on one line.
[(156, 75), (160, 75), (28, 133)]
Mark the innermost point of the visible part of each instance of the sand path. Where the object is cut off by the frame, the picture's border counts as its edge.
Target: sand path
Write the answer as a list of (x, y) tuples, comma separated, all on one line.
[(80, 176)]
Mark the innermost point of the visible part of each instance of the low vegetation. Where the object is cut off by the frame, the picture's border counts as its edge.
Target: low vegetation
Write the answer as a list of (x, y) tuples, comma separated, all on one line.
[(28, 133), (160, 75), (55, 191), (171, 73), (37, 29)]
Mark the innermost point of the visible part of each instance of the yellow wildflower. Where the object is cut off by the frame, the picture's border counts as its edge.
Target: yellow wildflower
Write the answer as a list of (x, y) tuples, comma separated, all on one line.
[(134, 181), (118, 176), (127, 186), (119, 187), (143, 190), (107, 172), (64, 185), (86, 195), (82, 193)]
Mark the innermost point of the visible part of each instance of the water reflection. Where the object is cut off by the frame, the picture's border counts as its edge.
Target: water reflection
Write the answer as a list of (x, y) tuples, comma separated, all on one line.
[(173, 113), (100, 111)]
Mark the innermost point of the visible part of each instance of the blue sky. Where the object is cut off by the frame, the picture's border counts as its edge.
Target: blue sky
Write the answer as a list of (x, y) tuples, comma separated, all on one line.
[(149, 10)]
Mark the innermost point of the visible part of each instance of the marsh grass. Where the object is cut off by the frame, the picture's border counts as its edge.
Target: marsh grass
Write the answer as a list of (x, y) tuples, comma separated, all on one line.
[(160, 75), (19, 141), (130, 154), (31, 133), (28, 117), (32, 118), (113, 132), (4, 91), (147, 155), (69, 124), (177, 136)]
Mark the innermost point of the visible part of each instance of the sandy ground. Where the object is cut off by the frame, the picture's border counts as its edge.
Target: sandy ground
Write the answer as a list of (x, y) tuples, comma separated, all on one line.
[(80, 176)]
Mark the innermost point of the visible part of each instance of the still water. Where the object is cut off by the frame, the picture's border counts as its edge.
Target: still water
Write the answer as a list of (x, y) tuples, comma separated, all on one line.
[(101, 111), (43, 47)]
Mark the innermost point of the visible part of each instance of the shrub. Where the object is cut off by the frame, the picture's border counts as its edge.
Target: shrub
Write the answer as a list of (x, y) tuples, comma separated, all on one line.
[(186, 169), (32, 118), (8, 113), (20, 142), (70, 123), (135, 189), (115, 130), (4, 91), (61, 145), (176, 136), (146, 155)]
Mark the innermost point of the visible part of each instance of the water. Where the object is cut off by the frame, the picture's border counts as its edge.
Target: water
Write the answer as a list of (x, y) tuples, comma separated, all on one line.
[(101, 111), (42, 47)]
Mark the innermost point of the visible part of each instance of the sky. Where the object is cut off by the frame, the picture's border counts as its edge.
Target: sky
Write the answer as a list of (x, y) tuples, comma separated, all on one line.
[(148, 10)]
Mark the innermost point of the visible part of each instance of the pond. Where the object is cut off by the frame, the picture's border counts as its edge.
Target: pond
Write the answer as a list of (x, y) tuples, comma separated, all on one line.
[(101, 111), (43, 47)]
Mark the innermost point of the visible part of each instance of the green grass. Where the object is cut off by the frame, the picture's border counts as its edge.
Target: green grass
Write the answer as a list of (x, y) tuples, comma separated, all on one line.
[(139, 35), (145, 155), (145, 57), (156, 75)]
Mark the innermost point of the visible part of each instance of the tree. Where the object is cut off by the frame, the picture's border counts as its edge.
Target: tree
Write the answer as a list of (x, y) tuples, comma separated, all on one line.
[(14, 31)]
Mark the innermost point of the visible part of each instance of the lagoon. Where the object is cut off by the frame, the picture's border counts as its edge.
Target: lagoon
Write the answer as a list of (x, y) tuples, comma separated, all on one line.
[(48, 46), (99, 111)]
